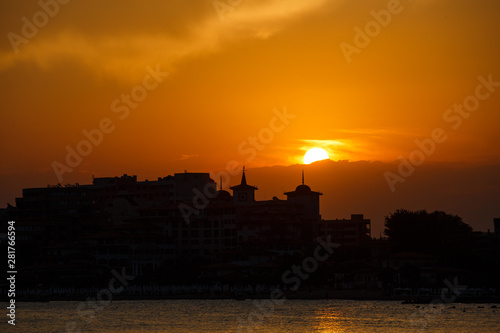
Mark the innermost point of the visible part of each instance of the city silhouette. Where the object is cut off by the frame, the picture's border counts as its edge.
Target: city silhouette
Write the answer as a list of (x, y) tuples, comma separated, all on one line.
[(185, 236)]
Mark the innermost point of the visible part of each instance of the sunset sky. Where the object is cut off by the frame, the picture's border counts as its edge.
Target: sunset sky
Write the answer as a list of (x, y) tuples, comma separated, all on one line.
[(231, 70)]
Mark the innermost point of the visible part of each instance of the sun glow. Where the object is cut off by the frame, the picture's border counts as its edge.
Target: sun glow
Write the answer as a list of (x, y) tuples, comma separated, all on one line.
[(315, 154)]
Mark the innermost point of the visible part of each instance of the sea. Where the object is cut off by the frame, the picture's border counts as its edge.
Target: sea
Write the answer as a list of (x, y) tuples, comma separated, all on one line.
[(229, 315)]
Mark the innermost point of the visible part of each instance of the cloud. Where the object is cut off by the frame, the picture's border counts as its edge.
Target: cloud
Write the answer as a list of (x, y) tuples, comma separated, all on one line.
[(329, 144), (366, 143), (119, 39), (374, 132), (185, 157)]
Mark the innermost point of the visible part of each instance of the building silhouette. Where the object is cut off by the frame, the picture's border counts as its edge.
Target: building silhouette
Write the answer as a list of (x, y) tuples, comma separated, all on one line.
[(181, 230), (78, 232)]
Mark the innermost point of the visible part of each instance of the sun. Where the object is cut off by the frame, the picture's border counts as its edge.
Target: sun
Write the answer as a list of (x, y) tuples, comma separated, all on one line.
[(315, 154)]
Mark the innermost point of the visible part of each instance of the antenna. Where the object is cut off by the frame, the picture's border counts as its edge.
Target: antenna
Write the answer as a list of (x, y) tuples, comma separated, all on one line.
[(302, 176), (221, 183)]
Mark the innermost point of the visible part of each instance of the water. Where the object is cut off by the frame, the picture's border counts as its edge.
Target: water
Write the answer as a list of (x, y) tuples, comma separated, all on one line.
[(232, 316)]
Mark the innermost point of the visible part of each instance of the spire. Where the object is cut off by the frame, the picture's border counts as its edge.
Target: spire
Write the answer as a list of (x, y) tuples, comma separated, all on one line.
[(243, 186), (302, 176), (243, 178), (221, 183)]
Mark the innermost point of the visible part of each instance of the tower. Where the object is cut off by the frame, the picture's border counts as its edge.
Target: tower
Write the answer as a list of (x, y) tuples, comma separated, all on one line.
[(308, 199), (243, 194)]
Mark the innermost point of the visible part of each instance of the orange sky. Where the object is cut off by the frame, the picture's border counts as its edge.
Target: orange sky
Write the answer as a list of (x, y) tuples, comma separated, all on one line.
[(227, 76)]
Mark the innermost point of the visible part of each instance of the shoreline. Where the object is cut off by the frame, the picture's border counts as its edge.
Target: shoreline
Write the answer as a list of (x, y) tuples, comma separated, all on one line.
[(303, 295)]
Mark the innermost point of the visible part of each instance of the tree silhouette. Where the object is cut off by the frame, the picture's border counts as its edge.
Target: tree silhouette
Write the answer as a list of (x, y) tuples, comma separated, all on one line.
[(436, 233)]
